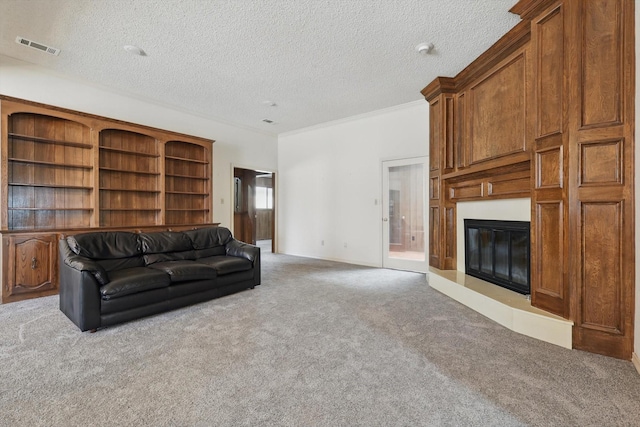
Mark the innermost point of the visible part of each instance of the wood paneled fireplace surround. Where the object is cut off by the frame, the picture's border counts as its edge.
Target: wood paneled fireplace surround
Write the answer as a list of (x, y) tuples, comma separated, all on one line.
[(547, 113)]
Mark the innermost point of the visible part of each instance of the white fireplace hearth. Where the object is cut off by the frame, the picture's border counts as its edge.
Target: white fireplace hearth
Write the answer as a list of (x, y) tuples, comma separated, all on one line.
[(510, 309)]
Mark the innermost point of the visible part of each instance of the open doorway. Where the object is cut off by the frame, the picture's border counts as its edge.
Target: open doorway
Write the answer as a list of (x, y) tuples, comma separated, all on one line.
[(254, 207)]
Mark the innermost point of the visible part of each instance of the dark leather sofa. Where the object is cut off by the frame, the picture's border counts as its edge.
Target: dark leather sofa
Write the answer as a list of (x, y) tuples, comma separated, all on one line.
[(113, 276)]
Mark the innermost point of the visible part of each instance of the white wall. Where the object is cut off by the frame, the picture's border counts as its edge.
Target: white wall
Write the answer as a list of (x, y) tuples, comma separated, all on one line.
[(233, 144), (500, 210), (330, 178)]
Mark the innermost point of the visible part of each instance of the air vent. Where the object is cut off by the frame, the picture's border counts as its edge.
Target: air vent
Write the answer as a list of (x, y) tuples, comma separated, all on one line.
[(268, 121), (44, 48)]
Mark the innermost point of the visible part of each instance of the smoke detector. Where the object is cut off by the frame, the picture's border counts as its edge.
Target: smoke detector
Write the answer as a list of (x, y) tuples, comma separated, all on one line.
[(424, 48), (40, 46)]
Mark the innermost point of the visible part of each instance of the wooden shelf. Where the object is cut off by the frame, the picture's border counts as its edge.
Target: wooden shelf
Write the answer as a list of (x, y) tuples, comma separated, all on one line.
[(50, 209), (49, 141), (53, 164), (130, 190), (131, 152), (128, 171), (70, 187), (185, 159), (129, 210), (187, 210), (173, 175), (187, 193)]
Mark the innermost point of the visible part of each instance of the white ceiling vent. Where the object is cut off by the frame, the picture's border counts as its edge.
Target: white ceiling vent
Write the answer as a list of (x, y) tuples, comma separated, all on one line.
[(44, 48)]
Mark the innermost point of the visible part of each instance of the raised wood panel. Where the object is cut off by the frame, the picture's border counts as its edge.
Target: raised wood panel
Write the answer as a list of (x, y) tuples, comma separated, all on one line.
[(434, 188), (450, 236), (602, 63), (509, 186), (449, 142), (435, 134), (434, 233), (548, 34), (549, 168), (31, 267), (601, 253), (549, 252), (498, 112), (495, 184), (460, 132), (601, 162), (473, 190)]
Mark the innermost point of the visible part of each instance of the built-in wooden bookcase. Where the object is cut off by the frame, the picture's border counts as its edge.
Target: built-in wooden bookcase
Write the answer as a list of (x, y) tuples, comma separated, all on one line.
[(129, 179), (187, 182), (65, 172), (49, 168)]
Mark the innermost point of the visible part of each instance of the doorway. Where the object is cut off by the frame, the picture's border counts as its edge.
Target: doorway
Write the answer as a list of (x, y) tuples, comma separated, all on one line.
[(404, 214), (254, 207)]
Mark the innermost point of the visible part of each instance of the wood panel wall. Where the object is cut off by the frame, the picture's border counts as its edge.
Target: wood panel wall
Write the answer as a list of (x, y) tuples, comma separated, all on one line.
[(548, 112)]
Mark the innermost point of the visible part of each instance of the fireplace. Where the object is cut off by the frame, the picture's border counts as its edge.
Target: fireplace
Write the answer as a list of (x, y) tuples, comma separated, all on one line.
[(498, 252)]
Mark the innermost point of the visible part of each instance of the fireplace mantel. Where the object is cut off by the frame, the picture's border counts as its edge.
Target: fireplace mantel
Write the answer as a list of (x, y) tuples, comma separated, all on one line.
[(548, 113)]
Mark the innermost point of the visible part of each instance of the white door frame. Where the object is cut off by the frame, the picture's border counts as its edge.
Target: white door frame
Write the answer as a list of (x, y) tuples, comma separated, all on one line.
[(396, 263)]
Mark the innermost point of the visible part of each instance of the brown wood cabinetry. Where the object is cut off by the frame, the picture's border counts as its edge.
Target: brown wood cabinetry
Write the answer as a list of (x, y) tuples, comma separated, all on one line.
[(187, 175), (30, 265), (63, 170), (548, 113)]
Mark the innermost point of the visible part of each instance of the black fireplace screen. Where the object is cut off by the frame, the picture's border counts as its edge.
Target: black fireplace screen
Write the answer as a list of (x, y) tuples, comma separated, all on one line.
[(498, 252)]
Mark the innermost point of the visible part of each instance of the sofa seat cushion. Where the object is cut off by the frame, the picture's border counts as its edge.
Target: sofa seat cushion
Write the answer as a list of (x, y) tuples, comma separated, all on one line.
[(133, 280), (227, 264), (182, 271)]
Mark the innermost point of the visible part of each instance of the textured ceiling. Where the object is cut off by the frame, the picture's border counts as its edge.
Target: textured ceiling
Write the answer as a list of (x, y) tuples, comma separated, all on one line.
[(319, 60)]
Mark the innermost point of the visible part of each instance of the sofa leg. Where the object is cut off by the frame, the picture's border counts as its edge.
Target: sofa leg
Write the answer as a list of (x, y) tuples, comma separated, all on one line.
[(93, 331), (252, 287)]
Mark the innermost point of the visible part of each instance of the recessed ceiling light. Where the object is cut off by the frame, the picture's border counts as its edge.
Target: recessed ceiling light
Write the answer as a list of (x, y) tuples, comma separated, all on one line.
[(269, 121), (134, 50)]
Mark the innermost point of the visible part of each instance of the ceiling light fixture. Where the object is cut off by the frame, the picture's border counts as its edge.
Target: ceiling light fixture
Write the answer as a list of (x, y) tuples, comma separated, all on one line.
[(134, 50), (424, 48), (269, 103), (269, 121)]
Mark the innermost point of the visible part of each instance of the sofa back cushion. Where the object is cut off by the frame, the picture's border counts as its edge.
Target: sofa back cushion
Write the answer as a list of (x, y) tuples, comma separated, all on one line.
[(165, 246), (105, 245), (209, 241)]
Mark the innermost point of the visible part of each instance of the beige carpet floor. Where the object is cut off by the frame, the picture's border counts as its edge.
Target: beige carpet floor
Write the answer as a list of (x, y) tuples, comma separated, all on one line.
[(319, 343)]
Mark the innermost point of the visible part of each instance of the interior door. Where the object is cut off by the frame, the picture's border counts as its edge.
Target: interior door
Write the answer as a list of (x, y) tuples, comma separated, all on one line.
[(404, 215)]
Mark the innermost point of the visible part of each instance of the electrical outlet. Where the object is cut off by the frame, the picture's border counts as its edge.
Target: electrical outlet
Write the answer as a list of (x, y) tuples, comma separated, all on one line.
[(222, 201), (322, 243)]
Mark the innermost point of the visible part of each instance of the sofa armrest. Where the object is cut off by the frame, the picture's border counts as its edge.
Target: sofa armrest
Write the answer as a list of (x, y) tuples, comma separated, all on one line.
[(81, 263), (79, 294), (244, 250)]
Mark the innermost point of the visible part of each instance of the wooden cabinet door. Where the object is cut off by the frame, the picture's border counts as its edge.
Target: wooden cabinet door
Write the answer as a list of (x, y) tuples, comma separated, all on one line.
[(31, 266)]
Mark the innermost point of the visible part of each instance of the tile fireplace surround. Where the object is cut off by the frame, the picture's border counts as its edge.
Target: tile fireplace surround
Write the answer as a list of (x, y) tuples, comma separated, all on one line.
[(508, 308)]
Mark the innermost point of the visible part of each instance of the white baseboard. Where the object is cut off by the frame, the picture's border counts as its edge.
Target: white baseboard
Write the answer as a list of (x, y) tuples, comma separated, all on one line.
[(636, 361)]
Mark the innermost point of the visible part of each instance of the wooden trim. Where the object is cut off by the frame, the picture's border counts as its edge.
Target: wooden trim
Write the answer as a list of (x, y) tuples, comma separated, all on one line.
[(66, 113), (527, 9)]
